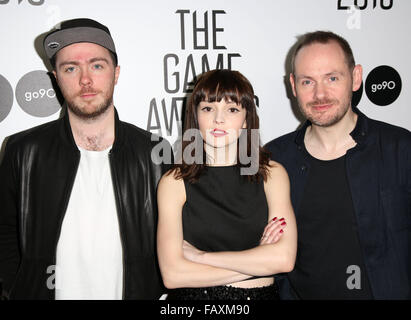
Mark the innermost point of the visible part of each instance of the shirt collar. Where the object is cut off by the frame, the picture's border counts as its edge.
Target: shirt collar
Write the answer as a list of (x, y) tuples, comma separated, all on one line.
[(358, 134)]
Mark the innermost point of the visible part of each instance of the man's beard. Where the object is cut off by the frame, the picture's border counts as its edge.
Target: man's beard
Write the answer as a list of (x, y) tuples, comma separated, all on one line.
[(340, 113), (98, 111)]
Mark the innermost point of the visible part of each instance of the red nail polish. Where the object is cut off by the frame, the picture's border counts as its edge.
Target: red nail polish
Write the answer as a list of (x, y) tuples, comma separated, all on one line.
[(283, 224), (281, 219), (275, 218), (281, 231)]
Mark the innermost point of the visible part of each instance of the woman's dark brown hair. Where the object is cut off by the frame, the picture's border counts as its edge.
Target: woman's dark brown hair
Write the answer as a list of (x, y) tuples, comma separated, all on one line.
[(214, 86)]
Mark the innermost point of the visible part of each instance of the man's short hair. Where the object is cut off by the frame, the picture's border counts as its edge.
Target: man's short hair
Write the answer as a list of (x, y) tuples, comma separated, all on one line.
[(323, 37)]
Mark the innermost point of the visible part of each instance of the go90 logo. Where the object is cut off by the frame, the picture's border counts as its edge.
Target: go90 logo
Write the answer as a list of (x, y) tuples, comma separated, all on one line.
[(390, 85), (383, 85), (35, 94), (50, 93), (6, 98)]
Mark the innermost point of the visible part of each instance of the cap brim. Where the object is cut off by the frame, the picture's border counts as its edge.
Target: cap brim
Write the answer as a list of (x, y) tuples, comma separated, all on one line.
[(59, 39)]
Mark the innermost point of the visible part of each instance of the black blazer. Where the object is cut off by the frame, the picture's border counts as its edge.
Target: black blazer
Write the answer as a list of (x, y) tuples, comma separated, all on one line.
[(379, 174)]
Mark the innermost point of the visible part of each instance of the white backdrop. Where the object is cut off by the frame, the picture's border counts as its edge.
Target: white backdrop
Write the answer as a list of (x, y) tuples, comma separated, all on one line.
[(256, 36)]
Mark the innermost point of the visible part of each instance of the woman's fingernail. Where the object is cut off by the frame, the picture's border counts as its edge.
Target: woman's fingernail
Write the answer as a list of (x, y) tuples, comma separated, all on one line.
[(283, 224), (282, 219), (275, 218), (281, 231)]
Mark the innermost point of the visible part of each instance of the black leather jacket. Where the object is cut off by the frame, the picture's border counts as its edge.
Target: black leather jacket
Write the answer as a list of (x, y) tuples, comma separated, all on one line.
[(37, 173)]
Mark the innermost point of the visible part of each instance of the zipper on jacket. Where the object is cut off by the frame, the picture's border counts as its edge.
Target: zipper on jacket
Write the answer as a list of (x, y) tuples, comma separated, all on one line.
[(120, 221)]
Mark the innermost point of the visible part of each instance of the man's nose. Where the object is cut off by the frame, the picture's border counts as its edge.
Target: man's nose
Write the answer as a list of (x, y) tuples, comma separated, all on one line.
[(85, 78), (320, 91)]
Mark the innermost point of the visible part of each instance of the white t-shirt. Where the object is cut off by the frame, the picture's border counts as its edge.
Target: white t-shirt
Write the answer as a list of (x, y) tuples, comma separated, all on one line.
[(89, 251)]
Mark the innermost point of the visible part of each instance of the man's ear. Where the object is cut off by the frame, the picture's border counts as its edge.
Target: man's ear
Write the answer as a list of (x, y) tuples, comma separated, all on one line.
[(356, 77), (116, 74), (292, 82)]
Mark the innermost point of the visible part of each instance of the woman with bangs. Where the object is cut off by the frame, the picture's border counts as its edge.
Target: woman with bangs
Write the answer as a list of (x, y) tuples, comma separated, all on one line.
[(224, 205)]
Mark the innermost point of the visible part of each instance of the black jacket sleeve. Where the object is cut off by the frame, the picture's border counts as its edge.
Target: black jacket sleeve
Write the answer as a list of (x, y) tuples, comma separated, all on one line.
[(9, 248)]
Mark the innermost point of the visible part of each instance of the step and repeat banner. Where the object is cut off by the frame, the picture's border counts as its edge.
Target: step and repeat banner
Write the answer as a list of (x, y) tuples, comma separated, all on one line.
[(163, 45)]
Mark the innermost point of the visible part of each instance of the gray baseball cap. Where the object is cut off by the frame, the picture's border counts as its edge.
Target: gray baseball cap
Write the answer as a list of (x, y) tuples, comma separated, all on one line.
[(75, 31)]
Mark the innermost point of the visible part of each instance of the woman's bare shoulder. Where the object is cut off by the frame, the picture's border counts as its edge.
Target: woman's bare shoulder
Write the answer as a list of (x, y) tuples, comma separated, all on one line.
[(276, 172), (171, 185)]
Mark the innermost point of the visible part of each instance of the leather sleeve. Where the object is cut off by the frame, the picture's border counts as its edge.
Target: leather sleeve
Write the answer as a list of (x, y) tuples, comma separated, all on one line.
[(9, 248)]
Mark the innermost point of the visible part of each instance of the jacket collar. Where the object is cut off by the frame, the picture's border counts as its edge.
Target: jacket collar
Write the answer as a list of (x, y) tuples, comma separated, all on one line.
[(118, 132), (359, 133)]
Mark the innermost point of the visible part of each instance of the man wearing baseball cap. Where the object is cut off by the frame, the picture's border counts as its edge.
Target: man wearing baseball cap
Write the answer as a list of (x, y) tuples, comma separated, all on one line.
[(78, 194)]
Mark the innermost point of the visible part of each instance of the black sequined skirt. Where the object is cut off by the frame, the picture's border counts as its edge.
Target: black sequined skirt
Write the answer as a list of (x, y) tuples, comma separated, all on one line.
[(225, 293)]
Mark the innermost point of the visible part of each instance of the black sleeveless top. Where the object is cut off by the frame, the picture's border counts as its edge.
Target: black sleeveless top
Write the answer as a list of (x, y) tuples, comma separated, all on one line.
[(224, 211)]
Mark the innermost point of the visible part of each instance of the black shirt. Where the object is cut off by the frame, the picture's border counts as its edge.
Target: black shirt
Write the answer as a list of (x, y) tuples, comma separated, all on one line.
[(224, 211), (329, 261)]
